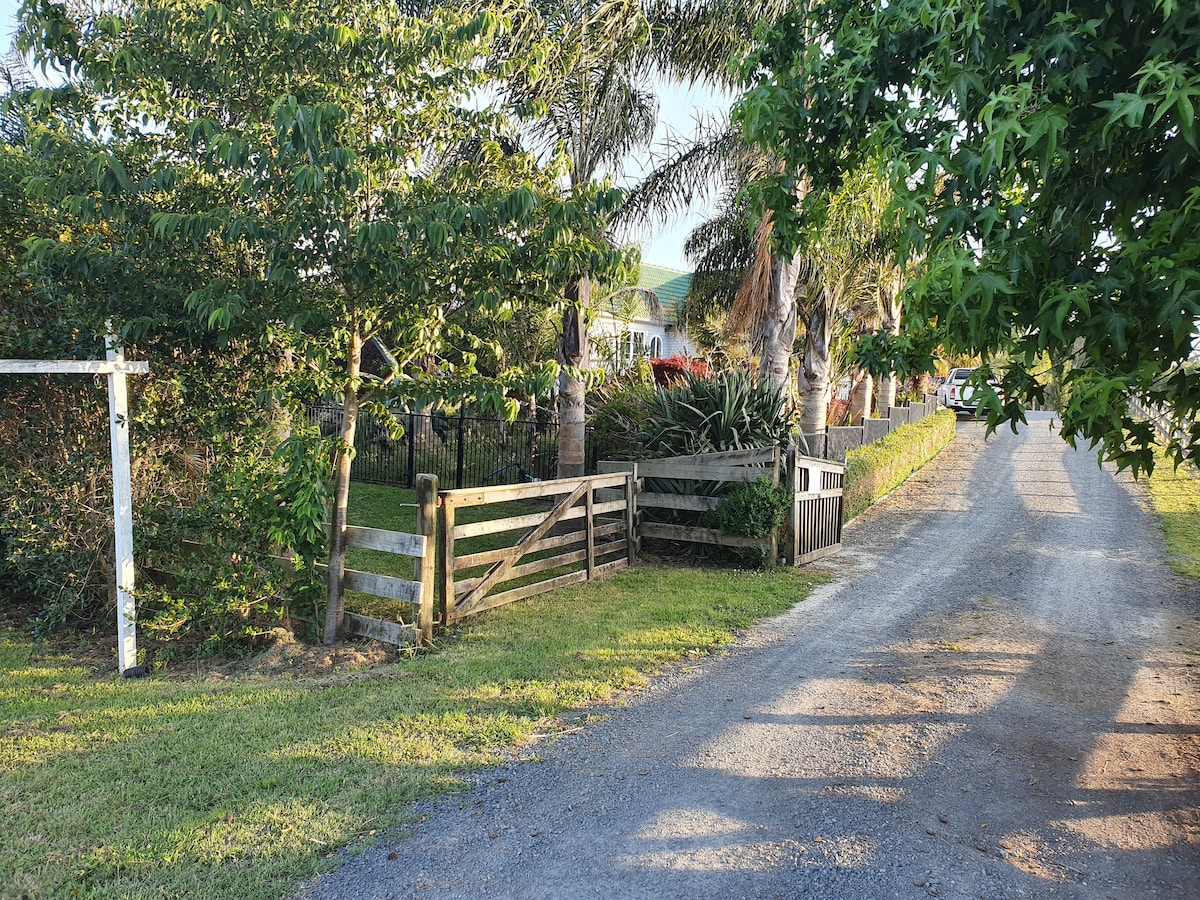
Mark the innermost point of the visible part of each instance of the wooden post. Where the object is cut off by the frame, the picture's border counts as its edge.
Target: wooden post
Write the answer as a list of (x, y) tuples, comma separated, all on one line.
[(631, 538), (446, 563), (793, 482), (427, 486), (118, 425), (589, 527), (773, 538)]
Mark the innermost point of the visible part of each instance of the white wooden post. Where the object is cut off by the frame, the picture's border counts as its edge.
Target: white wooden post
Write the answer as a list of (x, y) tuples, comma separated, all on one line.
[(118, 427), (116, 368)]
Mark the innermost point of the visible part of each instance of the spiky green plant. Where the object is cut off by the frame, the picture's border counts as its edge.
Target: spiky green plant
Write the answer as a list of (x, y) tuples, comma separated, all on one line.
[(732, 410)]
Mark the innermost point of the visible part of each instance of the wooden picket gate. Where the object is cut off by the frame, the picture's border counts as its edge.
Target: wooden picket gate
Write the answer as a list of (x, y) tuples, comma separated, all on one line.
[(598, 539), (815, 525)]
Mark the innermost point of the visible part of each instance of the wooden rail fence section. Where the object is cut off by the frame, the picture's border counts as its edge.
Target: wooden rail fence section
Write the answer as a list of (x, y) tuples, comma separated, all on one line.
[(592, 525), (701, 472), (419, 591), (581, 534), (814, 526)]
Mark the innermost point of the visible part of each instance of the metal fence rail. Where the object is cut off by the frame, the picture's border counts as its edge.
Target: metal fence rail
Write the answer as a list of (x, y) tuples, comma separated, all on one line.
[(463, 451)]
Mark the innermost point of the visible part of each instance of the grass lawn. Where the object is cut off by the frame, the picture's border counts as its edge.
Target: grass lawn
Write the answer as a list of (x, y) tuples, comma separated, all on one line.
[(240, 786), (1175, 495)]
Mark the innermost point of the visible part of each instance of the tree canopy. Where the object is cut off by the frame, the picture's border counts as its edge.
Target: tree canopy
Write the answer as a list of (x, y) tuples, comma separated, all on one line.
[(311, 175), (1046, 160)]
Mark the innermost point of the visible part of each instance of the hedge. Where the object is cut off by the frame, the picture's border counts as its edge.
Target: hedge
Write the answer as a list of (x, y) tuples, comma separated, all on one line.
[(874, 470)]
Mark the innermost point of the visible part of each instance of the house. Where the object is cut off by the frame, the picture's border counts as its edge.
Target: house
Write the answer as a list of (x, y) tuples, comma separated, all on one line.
[(643, 320)]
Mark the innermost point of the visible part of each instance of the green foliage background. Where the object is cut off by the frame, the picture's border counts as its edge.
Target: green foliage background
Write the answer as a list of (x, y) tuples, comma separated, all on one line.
[(1046, 161)]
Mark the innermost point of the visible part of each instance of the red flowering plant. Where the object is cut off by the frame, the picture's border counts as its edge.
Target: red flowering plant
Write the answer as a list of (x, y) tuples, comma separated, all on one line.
[(672, 369)]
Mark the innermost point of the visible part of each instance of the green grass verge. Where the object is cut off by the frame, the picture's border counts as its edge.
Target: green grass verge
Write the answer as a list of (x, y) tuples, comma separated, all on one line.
[(240, 787), (1175, 496), (874, 470)]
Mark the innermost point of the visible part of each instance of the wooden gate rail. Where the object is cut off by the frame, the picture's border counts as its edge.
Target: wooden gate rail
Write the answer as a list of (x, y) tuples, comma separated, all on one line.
[(815, 524), (420, 591), (603, 530)]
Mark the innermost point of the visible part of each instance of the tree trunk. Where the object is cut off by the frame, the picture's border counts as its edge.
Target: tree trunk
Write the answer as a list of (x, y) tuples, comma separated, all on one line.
[(890, 309), (423, 433), (779, 323), (887, 391), (573, 350), (341, 491), (813, 379), (860, 397)]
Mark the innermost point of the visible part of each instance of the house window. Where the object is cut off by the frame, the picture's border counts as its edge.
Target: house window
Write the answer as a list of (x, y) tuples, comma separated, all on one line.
[(632, 346), (656, 347)]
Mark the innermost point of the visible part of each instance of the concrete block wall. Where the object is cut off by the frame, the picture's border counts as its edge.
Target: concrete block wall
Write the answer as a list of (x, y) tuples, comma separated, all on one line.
[(837, 440)]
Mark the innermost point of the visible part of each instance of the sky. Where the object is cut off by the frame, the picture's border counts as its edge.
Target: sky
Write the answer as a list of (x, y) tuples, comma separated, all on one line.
[(662, 244)]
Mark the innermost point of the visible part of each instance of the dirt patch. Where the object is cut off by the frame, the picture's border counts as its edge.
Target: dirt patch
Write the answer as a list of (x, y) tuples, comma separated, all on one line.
[(285, 656), (281, 655)]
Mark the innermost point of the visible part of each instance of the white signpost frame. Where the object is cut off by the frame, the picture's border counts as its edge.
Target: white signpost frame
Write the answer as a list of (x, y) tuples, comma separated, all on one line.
[(115, 367)]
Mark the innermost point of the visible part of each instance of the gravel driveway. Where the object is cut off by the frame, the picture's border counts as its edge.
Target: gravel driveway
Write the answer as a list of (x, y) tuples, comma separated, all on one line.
[(998, 696)]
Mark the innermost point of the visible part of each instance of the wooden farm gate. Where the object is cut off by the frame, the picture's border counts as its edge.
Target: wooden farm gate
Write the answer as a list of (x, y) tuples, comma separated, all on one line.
[(815, 524), (582, 533)]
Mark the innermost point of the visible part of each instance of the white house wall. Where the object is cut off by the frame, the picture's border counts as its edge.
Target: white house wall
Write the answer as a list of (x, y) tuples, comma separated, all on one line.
[(607, 329)]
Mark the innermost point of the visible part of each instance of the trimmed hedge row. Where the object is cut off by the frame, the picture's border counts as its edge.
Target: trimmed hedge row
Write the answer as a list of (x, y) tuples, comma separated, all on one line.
[(874, 470)]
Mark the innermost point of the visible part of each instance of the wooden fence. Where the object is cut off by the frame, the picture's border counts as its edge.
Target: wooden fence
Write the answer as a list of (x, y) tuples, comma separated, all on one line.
[(1163, 420), (419, 591), (696, 481), (591, 536), (592, 526)]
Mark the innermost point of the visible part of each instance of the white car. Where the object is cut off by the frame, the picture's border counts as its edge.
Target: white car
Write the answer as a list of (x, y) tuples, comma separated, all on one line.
[(957, 394)]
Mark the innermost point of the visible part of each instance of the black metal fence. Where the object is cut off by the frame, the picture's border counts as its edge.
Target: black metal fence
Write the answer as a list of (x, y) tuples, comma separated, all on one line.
[(463, 451)]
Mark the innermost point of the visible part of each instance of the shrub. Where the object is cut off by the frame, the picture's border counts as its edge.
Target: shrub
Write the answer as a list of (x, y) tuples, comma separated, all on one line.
[(750, 509), (671, 369), (874, 470), (617, 408)]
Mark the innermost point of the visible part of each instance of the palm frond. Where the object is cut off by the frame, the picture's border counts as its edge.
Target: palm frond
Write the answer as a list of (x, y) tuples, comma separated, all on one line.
[(684, 171), (695, 40), (754, 293)]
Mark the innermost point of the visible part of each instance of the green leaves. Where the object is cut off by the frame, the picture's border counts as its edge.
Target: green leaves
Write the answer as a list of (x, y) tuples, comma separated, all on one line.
[(1045, 156)]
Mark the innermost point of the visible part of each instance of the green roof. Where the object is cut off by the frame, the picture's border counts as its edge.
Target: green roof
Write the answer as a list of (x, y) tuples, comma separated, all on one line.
[(670, 285)]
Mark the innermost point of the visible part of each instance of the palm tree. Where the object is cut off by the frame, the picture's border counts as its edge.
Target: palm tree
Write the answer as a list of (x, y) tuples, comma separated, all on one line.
[(597, 106), (594, 108), (844, 263)]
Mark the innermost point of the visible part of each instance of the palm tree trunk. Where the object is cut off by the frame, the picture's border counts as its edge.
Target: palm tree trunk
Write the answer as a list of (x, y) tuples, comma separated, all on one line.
[(341, 491), (860, 397), (573, 350), (778, 325), (890, 308), (813, 379), (887, 391)]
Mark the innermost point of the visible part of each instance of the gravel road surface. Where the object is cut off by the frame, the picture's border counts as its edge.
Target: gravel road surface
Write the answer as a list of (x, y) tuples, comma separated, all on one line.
[(997, 696)]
